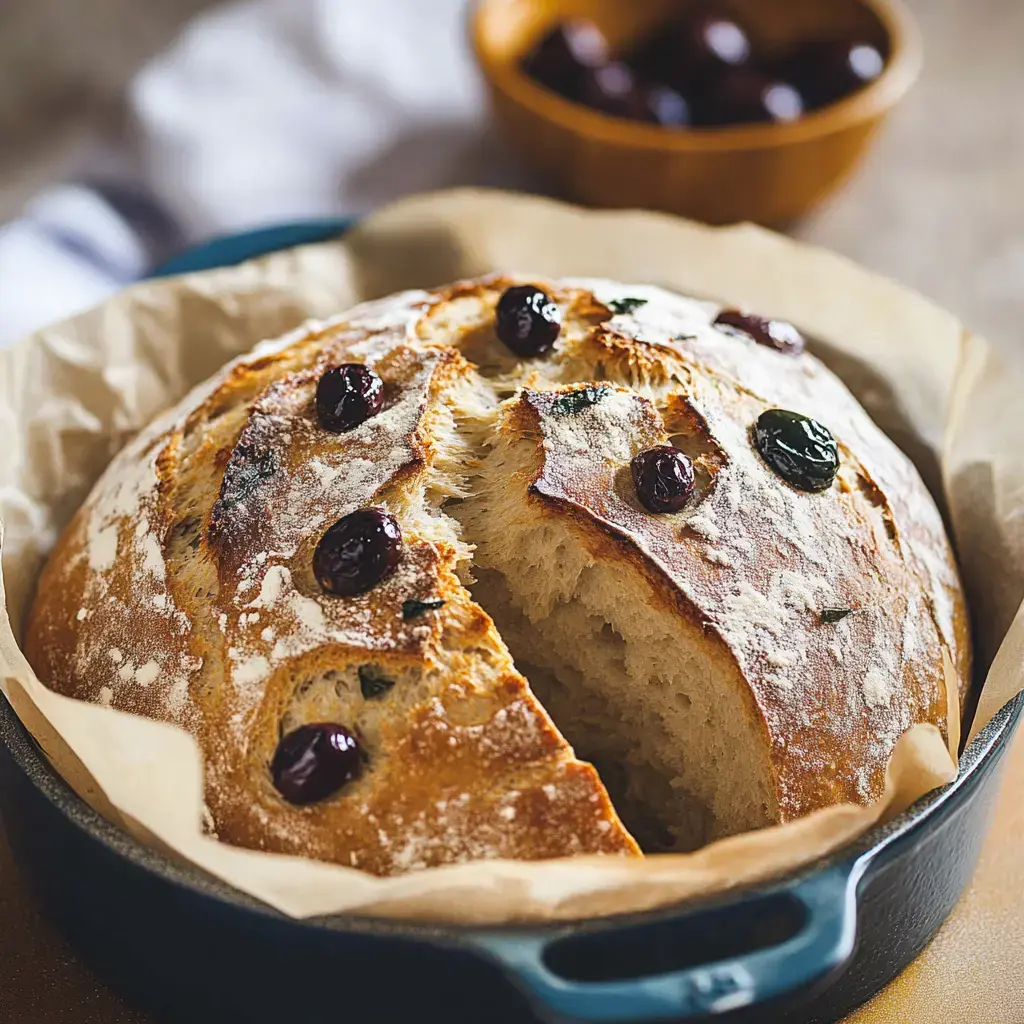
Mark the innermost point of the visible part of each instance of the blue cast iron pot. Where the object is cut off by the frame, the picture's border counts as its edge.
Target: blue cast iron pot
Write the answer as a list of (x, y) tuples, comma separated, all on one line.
[(807, 948)]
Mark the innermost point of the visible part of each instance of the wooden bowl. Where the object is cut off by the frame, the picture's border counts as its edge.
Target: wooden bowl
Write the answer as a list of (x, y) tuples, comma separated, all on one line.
[(766, 173)]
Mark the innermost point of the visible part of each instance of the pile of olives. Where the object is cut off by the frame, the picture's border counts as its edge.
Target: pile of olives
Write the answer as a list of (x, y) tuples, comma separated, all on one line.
[(704, 68)]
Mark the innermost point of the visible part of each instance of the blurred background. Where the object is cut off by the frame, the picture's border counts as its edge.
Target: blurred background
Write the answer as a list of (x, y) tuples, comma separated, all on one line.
[(132, 128)]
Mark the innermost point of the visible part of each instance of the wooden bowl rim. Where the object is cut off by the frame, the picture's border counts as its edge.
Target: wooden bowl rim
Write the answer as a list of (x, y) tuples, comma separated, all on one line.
[(868, 104)]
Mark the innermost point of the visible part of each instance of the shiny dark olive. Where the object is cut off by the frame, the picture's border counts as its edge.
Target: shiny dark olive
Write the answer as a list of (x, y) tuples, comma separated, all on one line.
[(776, 334), (690, 52), (802, 451), (746, 96), (348, 395), (357, 552), (565, 53), (667, 107), (613, 89), (314, 761), (527, 320), (827, 71), (663, 478)]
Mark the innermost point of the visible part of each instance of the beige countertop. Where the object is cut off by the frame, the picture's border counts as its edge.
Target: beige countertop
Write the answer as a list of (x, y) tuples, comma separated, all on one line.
[(939, 205)]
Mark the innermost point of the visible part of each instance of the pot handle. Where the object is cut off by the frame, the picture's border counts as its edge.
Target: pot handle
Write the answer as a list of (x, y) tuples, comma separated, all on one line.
[(824, 941)]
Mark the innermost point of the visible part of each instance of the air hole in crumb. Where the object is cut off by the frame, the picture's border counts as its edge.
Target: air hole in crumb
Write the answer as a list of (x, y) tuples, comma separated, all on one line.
[(219, 404), (485, 654), (185, 528), (184, 534), (480, 346), (302, 688)]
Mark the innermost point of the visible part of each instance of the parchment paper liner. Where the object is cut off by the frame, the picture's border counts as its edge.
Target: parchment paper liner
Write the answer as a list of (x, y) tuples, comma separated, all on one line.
[(71, 394)]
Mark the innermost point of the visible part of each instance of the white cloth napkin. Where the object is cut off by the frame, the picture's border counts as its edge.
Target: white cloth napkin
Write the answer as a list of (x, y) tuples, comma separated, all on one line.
[(261, 112)]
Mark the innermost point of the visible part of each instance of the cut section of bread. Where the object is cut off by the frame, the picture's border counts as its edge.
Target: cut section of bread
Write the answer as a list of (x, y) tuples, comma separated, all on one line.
[(612, 647), (696, 657), (691, 651)]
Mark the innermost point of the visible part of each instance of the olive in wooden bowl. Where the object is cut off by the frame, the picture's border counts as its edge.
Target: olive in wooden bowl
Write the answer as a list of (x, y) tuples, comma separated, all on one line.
[(721, 110)]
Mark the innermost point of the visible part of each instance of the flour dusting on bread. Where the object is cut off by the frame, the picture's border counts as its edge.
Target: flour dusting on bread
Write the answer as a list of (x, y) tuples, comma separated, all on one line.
[(739, 662)]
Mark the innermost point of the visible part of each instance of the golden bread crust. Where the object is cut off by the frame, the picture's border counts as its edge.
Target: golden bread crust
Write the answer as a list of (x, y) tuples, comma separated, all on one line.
[(183, 588)]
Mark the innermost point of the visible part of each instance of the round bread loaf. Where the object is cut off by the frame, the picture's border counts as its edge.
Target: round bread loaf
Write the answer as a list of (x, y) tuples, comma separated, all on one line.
[(737, 650)]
